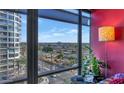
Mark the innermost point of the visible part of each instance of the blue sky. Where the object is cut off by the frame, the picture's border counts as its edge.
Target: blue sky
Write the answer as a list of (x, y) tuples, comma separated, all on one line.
[(55, 31), (23, 29)]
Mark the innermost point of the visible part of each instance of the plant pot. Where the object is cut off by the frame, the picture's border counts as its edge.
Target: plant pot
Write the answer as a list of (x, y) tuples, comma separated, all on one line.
[(98, 78)]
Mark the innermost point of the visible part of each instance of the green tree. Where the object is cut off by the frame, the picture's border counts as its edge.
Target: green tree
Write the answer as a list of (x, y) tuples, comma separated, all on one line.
[(60, 56), (20, 62), (72, 60), (48, 49)]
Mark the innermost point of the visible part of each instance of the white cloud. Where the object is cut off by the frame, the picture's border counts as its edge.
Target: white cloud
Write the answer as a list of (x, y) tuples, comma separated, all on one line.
[(72, 31), (58, 34), (54, 29), (46, 36)]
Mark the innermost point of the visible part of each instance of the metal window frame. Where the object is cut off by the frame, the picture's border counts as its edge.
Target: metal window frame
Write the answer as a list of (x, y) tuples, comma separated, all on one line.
[(80, 42), (32, 46), (68, 13), (84, 10), (32, 43), (44, 74)]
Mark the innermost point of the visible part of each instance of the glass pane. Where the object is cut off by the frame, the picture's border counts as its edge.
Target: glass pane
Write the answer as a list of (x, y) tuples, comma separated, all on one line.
[(86, 14), (56, 14), (86, 34), (61, 78), (72, 11), (86, 18), (12, 46), (57, 45), (86, 63)]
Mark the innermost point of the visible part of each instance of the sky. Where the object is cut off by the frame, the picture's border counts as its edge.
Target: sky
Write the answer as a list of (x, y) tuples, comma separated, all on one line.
[(55, 31)]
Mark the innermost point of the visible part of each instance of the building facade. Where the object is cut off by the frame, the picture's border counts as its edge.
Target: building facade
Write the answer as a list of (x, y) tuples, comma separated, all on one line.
[(10, 27)]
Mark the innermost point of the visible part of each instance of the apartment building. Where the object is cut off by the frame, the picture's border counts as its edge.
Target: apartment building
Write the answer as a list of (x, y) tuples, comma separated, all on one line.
[(10, 27)]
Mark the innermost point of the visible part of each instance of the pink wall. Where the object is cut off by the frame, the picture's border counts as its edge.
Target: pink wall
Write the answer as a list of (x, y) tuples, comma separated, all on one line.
[(115, 49)]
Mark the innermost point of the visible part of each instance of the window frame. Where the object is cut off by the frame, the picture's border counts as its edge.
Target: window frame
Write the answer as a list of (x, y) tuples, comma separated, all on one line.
[(32, 69)]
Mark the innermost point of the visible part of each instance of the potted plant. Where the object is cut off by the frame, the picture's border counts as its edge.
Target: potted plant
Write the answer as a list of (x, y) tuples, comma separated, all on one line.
[(92, 65), (96, 70)]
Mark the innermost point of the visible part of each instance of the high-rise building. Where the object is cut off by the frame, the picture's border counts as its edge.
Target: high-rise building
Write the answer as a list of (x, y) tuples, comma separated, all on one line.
[(10, 27)]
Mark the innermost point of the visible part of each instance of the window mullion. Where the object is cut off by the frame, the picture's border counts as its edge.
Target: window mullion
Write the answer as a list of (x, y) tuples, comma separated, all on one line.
[(32, 45)]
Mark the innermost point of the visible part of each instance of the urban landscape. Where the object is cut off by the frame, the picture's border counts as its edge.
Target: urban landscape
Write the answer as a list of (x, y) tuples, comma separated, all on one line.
[(52, 56)]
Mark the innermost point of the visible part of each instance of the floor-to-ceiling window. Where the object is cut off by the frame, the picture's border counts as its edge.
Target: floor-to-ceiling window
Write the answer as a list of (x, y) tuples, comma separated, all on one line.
[(57, 45), (57, 49)]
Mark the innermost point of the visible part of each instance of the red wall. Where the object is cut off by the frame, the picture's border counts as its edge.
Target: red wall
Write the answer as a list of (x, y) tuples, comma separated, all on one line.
[(114, 49)]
